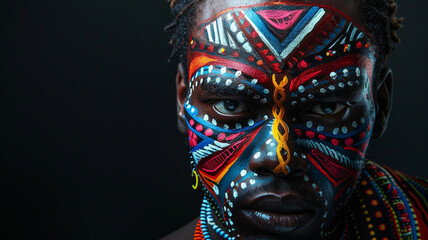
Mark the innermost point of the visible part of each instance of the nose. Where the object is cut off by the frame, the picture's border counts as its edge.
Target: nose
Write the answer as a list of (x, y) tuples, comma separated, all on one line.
[(276, 155), (278, 159)]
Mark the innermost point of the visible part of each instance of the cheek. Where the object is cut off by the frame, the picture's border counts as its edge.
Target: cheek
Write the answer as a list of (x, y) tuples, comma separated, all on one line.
[(336, 160), (337, 156), (214, 150), (336, 152), (334, 196)]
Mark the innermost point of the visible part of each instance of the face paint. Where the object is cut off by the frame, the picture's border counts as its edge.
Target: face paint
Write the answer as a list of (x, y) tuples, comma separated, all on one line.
[(279, 114)]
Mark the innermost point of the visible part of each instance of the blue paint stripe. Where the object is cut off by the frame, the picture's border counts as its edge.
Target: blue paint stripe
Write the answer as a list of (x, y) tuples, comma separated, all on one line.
[(219, 129), (258, 88), (302, 24)]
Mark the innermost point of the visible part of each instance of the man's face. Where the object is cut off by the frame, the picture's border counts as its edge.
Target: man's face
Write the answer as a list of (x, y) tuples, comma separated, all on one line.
[(279, 113)]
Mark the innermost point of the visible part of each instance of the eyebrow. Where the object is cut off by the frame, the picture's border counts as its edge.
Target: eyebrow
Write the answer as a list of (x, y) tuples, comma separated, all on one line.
[(340, 92), (220, 89), (350, 62)]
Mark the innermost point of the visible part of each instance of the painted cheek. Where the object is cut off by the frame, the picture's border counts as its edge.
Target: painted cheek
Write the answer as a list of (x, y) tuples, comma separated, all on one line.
[(338, 156), (215, 150)]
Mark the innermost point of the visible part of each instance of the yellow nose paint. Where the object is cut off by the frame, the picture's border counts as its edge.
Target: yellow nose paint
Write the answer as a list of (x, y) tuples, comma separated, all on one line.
[(278, 112)]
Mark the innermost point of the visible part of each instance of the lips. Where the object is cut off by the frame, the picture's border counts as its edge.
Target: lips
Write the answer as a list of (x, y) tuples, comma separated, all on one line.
[(277, 213)]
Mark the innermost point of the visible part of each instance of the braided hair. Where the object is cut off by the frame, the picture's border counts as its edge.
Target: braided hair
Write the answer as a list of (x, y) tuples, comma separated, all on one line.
[(378, 16), (179, 28)]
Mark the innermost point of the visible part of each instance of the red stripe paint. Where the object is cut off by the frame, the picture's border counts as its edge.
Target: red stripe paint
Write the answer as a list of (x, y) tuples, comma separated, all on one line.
[(354, 60)]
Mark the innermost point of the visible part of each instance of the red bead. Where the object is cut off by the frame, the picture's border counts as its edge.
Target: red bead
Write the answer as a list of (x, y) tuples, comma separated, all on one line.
[(221, 136), (199, 127), (208, 132), (270, 58), (359, 45), (302, 64), (310, 134), (349, 141)]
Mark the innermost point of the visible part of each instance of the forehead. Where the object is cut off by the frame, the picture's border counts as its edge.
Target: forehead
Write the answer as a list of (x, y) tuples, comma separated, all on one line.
[(302, 41), (211, 8)]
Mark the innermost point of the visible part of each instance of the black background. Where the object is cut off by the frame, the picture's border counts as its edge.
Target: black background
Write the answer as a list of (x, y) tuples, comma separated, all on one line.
[(89, 145)]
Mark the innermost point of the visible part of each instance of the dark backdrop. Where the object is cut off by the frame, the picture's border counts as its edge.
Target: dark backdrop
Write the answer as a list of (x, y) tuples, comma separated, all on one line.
[(89, 145)]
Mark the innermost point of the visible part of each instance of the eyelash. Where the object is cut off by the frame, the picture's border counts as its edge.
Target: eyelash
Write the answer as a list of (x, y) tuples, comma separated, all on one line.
[(328, 110), (315, 107), (219, 107)]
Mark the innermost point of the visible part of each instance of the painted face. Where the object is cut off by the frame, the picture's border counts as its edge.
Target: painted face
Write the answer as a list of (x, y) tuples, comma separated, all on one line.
[(279, 114)]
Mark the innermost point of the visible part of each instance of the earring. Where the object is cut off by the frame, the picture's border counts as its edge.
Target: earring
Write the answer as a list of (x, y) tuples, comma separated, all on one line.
[(195, 174)]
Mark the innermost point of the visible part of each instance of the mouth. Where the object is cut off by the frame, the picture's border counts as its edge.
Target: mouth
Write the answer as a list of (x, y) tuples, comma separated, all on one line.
[(278, 214)]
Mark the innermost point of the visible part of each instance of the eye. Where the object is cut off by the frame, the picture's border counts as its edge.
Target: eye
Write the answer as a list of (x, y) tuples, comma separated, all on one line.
[(230, 107), (327, 108)]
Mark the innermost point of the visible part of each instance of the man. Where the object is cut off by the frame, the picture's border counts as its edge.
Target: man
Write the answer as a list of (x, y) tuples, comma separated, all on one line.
[(279, 100)]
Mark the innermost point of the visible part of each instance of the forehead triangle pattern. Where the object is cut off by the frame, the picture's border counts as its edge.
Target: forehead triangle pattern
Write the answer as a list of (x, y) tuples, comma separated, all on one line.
[(281, 48), (274, 39)]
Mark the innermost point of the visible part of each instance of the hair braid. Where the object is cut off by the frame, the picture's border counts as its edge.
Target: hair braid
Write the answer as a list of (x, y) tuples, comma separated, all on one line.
[(380, 17), (180, 27)]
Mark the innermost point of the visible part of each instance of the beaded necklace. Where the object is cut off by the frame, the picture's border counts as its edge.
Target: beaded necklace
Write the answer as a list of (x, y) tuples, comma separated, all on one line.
[(205, 220)]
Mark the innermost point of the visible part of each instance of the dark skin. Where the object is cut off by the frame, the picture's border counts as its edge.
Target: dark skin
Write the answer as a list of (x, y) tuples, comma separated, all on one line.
[(382, 98)]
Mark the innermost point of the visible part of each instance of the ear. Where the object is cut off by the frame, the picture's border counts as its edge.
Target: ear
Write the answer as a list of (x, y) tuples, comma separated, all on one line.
[(383, 102), (180, 83)]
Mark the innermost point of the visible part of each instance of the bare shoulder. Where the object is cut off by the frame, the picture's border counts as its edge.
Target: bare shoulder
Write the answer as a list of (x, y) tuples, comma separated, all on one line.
[(184, 233)]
